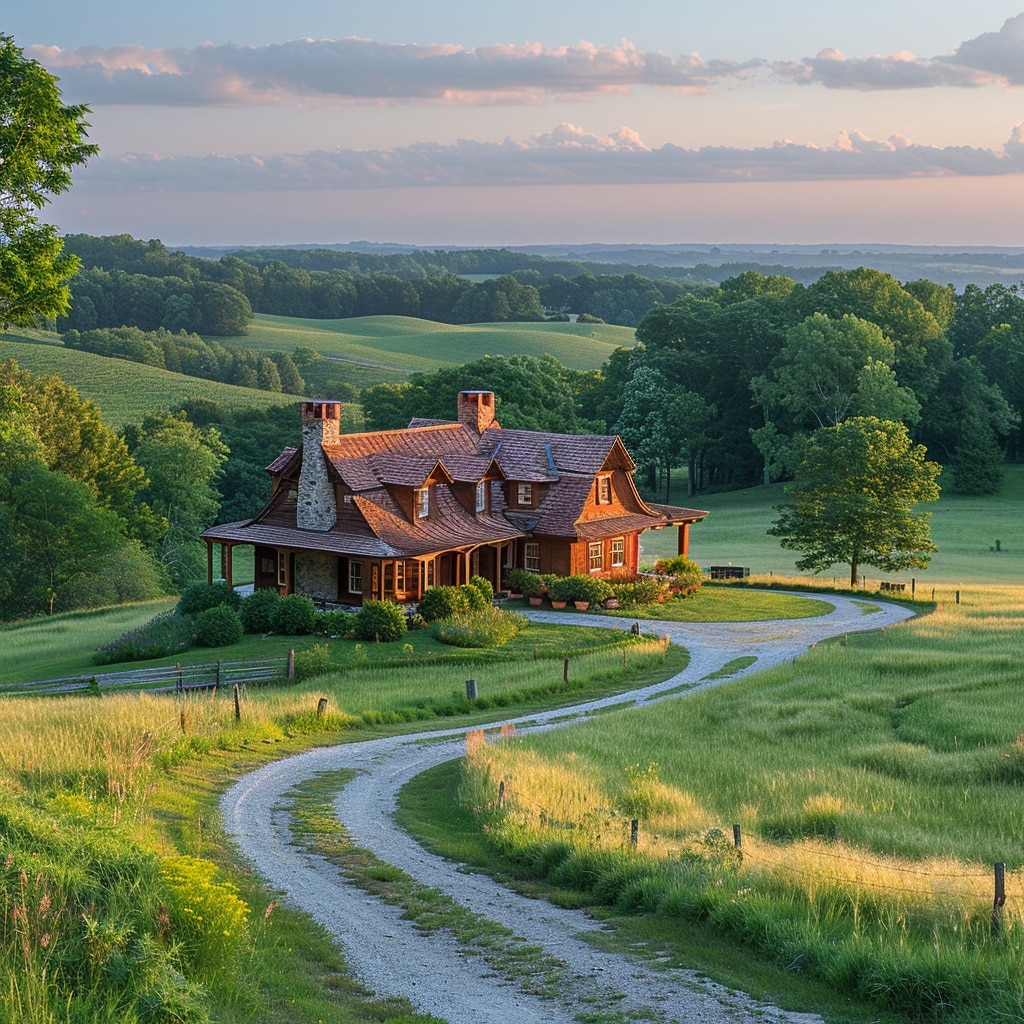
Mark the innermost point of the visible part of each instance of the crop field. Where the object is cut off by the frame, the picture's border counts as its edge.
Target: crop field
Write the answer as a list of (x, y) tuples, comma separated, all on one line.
[(979, 539), (126, 391)]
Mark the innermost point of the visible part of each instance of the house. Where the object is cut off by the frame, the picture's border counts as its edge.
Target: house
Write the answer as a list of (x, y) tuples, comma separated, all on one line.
[(384, 515)]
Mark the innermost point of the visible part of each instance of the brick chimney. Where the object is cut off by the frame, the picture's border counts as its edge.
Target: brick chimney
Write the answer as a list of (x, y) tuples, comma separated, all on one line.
[(321, 423), (476, 409)]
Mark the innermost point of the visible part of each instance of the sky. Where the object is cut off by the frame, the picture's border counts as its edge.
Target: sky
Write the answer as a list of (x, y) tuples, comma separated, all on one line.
[(457, 123)]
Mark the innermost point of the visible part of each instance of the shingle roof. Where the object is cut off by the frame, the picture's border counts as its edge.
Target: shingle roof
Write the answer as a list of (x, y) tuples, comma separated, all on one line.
[(372, 523)]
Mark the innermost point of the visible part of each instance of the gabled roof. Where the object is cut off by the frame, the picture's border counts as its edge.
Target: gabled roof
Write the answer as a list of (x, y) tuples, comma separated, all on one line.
[(373, 467)]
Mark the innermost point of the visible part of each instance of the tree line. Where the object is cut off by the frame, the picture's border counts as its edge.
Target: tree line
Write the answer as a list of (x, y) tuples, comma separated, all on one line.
[(127, 282), (192, 355)]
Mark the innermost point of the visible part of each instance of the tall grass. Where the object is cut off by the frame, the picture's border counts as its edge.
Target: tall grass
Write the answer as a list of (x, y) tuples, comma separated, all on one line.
[(876, 781)]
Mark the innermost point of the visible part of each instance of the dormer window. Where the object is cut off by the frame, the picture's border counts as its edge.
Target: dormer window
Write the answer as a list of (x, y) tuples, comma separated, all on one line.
[(481, 497), (604, 489), (524, 494), (422, 502)]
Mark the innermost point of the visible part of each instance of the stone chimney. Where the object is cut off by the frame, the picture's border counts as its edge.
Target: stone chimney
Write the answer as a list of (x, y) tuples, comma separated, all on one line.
[(316, 504), (476, 409)]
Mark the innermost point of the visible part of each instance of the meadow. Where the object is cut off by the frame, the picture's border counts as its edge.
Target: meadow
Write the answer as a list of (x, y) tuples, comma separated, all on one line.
[(120, 900), (875, 782)]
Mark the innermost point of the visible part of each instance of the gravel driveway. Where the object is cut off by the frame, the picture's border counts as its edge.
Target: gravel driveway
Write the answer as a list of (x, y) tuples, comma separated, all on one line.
[(437, 975)]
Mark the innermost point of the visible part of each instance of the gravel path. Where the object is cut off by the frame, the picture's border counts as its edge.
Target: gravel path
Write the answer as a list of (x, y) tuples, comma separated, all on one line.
[(432, 971)]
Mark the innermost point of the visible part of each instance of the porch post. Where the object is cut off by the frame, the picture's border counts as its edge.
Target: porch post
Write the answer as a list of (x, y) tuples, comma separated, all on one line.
[(209, 562), (684, 540)]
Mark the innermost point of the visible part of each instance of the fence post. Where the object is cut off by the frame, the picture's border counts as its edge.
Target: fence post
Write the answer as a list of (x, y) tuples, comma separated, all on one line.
[(737, 837), (958, 597), (181, 678), (913, 586), (471, 689), (321, 707), (291, 664), (238, 705), (998, 899), (634, 832), (565, 671), (216, 682), (501, 795)]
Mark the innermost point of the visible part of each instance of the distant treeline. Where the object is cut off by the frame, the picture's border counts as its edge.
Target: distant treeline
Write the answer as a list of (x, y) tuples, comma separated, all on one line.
[(191, 355), (127, 282)]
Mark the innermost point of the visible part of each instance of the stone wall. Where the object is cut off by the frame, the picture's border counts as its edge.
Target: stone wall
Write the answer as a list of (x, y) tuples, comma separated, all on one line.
[(316, 576)]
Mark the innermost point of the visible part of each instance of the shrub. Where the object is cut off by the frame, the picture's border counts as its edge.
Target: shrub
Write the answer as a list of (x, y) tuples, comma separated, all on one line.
[(218, 627), (312, 662), (484, 586), (335, 623), (522, 581), (633, 589), (258, 610), (580, 588), (383, 621), (294, 615), (474, 598), (443, 603), (686, 575), (201, 596), (165, 634), (491, 627)]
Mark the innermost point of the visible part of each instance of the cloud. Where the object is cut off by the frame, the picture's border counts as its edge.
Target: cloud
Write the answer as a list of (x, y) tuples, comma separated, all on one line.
[(566, 155), (365, 70), (998, 53), (990, 57)]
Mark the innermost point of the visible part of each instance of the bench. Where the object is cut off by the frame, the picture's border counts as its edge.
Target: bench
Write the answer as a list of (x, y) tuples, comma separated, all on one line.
[(728, 572)]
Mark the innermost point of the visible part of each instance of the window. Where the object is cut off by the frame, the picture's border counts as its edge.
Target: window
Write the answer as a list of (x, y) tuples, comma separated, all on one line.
[(481, 497), (282, 569), (355, 577), (595, 556), (524, 494), (618, 552), (531, 556), (604, 489), (422, 502), (430, 573), (400, 577)]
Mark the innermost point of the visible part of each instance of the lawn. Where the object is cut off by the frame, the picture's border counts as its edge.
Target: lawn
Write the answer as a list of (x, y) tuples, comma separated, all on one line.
[(965, 529)]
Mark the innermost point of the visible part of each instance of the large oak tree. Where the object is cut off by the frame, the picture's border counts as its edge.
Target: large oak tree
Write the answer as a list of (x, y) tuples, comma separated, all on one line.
[(855, 494)]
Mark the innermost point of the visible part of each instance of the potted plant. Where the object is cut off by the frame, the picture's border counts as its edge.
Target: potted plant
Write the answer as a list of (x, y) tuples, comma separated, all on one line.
[(523, 583), (560, 591)]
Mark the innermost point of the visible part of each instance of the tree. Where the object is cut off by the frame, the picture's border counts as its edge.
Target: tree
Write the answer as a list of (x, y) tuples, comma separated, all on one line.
[(183, 463), (41, 140), (57, 534), (855, 492)]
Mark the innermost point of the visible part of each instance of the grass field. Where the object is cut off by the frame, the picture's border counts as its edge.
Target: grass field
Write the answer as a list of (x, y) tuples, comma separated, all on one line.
[(365, 350), (126, 391), (965, 530), (876, 781)]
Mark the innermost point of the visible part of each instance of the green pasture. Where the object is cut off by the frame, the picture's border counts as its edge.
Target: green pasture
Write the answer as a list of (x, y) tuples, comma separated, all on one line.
[(964, 528), (365, 350), (123, 390)]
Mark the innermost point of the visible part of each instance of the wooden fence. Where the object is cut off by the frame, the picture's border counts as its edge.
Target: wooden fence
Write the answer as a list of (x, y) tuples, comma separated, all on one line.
[(169, 678)]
